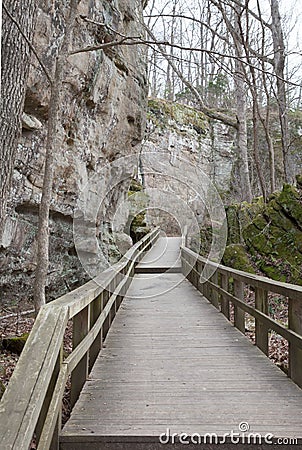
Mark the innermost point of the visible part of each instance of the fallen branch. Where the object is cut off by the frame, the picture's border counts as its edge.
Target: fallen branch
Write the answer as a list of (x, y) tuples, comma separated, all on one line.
[(23, 313)]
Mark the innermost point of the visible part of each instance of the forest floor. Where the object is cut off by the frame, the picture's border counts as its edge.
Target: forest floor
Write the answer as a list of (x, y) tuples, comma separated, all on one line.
[(18, 325)]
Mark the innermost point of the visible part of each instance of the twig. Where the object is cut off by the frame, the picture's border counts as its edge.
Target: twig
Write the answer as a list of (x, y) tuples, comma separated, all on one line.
[(123, 41), (23, 313)]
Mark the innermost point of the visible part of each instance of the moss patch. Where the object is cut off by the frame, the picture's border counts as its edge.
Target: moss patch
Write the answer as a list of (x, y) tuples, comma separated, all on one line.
[(274, 238), (236, 256), (15, 344), (161, 112)]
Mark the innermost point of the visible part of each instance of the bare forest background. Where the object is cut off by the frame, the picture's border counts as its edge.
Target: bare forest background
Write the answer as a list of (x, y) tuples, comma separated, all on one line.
[(238, 62)]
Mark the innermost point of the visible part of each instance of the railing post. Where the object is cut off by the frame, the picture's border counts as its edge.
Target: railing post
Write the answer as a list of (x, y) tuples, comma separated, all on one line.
[(45, 407), (79, 375), (225, 304), (200, 285), (205, 287), (196, 275), (295, 353), (214, 294), (95, 311), (121, 294), (112, 311), (239, 315), (261, 303), (106, 325)]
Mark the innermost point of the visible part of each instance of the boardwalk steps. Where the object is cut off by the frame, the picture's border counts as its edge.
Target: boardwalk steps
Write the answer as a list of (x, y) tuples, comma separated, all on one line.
[(170, 359)]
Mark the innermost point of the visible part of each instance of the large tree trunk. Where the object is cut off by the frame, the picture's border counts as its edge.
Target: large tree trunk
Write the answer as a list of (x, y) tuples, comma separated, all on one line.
[(279, 65), (52, 146), (14, 70)]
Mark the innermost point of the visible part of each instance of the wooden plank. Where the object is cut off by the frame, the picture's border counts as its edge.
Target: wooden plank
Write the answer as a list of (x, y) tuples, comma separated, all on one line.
[(261, 331), (171, 359), (24, 397), (55, 407), (54, 443)]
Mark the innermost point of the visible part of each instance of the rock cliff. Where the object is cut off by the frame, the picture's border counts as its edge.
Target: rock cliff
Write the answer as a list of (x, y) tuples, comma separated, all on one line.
[(183, 140), (103, 119)]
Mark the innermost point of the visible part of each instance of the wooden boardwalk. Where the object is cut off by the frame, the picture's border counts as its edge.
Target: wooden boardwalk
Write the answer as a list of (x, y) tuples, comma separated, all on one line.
[(171, 360)]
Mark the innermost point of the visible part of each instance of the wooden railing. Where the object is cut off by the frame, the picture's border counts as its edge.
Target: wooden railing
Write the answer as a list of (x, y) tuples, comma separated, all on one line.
[(32, 402), (216, 288)]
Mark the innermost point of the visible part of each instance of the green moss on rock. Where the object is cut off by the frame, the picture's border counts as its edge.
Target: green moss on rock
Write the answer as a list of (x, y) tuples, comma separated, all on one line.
[(236, 256), (15, 344), (290, 200), (274, 238), (162, 111), (239, 216)]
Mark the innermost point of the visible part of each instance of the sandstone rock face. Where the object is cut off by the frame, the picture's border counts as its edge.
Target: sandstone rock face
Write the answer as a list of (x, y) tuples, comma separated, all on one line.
[(103, 119), (183, 154)]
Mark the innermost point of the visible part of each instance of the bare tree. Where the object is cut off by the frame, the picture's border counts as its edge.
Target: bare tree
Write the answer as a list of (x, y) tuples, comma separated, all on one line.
[(279, 66), (52, 146)]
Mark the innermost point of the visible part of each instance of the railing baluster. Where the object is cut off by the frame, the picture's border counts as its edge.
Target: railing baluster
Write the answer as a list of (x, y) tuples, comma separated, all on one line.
[(106, 295), (214, 293), (112, 311), (225, 304), (239, 314), (261, 331), (95, 311), (81, 324), (200, 285), (295, 353)]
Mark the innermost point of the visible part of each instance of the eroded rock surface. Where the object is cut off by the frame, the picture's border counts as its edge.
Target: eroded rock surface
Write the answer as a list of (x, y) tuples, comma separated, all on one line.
[(103, 119)]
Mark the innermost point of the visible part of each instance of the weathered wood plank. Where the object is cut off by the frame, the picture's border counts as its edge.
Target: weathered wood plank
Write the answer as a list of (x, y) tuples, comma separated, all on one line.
[(171, 359), (24, 397)]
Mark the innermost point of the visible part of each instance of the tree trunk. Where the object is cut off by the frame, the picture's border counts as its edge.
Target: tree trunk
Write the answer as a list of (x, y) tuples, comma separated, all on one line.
[(52, 146), (279, 65), (240, 89), (256, 147), (14, 70)]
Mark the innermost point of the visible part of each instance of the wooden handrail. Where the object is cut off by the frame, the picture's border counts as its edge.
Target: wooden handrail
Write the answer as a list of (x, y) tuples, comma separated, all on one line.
[(33, 399), (216, 289)]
